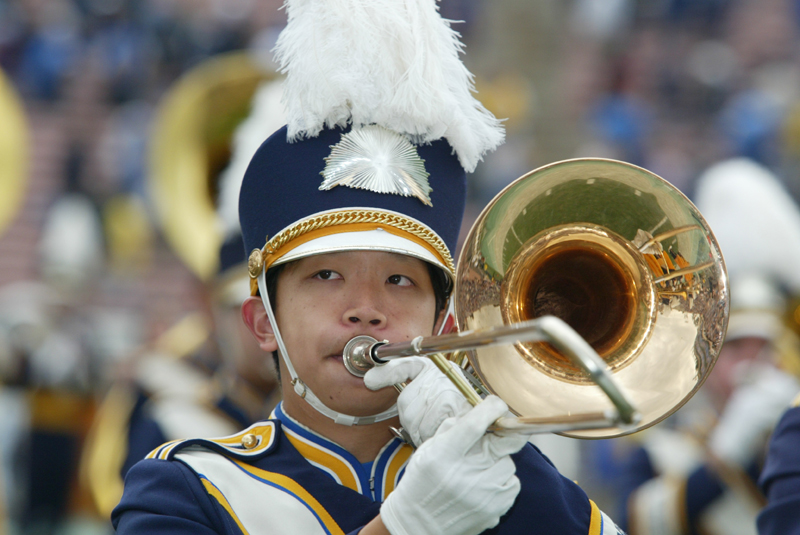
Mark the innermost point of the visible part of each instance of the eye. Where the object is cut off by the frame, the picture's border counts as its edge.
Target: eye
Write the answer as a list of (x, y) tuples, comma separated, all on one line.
[(400, 280), (327, 274)]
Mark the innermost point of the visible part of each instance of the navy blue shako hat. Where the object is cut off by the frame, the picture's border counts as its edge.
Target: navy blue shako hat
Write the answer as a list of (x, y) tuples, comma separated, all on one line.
[(281, 200), (382, 127)]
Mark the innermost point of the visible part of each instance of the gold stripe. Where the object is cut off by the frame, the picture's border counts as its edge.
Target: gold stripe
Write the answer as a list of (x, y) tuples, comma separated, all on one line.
[(264, 431), (168, 449), (292, 486), (681, 505), (344, 220), (400, 458), (106, 446), (596, 523), (60, 411), (796, 402), (152, 454), (324, 458), (215, 492), (633, 515)]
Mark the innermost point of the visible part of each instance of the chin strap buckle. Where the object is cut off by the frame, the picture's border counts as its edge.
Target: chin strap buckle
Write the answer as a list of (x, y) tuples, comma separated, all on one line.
[(403, 435), (299, 387)]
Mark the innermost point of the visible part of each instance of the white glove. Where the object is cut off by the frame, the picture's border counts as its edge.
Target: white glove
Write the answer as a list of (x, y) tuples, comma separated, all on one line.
[(427, 401), (751, 413), (461, 481)]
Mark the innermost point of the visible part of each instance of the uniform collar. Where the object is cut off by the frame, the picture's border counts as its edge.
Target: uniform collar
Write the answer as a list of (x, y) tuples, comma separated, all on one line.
[(341, 465)]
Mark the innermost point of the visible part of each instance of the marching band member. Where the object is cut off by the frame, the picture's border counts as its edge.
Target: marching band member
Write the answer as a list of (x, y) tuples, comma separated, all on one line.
[(206, 376), (702, 477), (360, 199), (780, 479)]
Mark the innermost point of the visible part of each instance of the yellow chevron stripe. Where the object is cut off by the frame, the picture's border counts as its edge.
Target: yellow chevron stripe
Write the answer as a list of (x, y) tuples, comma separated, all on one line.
[(152, 454), (399, 459), (320, 456), (596, 523)]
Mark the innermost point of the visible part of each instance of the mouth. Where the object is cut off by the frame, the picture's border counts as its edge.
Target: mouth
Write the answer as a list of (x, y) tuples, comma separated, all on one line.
[(338, 357)]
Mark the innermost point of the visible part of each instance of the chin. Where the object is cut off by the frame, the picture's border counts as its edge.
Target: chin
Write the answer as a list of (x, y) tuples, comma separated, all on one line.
[(365, 402)]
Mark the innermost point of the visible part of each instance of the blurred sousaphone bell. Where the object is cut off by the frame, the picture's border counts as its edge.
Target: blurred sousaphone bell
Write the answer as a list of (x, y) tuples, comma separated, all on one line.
[(191, 146), (13, 152), (625, 260)]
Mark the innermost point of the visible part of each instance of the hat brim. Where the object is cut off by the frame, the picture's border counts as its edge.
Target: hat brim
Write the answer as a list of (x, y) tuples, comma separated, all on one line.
[(370, 240)]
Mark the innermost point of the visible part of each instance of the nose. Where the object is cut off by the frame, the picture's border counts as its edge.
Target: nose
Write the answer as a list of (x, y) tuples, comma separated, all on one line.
[(364, 315)]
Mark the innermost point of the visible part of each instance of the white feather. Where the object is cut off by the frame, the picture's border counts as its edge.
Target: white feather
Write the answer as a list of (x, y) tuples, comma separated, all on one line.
[(755, 221), (265, 118), (394, 63)]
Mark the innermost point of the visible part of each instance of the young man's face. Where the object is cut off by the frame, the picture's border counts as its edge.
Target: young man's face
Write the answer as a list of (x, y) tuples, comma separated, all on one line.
[(323, 301)]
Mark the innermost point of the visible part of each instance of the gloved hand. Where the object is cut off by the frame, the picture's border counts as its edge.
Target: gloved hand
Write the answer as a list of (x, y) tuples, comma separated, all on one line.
[(751, 413), (459, 482), (428, 400)]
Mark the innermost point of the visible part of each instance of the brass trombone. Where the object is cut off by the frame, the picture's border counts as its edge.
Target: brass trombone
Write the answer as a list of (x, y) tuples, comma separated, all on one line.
[(585, 283)]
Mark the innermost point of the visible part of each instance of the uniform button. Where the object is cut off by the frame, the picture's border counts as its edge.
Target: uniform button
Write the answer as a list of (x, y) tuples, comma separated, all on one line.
[(249, 441)]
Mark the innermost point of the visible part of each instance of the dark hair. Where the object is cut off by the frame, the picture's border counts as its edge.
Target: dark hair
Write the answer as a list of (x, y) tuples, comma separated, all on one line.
[(439, 281)]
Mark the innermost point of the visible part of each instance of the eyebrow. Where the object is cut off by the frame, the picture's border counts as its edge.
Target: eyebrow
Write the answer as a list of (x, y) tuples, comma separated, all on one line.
[(404, 259)]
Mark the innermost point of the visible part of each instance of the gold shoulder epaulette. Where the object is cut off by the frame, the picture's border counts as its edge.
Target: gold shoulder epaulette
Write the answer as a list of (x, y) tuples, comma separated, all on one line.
[(254, 441)]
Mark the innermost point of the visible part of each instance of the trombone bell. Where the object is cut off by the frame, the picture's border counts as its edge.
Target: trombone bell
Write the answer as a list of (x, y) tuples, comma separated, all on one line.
[(591, 278), (624, 259)]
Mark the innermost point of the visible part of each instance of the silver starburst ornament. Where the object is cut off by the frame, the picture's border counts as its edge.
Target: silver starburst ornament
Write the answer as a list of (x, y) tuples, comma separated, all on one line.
[(379, 160)]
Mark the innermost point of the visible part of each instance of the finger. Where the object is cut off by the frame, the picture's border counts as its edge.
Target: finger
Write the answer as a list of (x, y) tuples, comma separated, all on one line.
[(395, 372), (502, 473), (432, 389), (468, 428), (501, 445)]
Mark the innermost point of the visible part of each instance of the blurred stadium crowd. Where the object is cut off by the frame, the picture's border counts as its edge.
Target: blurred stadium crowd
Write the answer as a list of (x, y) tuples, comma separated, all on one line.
[(89, 284)]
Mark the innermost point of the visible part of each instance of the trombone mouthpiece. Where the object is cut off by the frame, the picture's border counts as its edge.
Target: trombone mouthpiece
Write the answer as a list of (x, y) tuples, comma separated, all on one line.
[(357, 355)]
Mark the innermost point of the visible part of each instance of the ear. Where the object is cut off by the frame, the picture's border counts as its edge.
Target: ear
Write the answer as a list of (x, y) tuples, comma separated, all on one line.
[(255, 317)]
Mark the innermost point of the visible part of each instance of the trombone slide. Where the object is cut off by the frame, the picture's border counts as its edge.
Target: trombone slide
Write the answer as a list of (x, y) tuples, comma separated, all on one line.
[(364, 352)]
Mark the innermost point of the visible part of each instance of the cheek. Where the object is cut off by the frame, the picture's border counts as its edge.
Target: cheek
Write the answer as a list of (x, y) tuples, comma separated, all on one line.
[(305, 322), (420, 318)]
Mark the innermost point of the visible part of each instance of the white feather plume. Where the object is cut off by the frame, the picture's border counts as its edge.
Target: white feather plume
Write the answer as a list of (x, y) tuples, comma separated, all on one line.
[(755, 221), (266, 116), (394, 63)]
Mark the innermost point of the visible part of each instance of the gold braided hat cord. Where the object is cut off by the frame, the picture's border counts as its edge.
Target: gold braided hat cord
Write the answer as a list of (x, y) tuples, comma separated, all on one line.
[(350, 217)]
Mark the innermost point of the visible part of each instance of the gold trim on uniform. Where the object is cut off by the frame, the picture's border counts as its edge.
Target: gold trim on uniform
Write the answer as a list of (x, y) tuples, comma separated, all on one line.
[(248, 443), (223, 501)]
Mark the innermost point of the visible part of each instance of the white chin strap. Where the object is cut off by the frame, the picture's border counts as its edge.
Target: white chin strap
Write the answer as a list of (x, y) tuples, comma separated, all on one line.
[(300, 387)]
